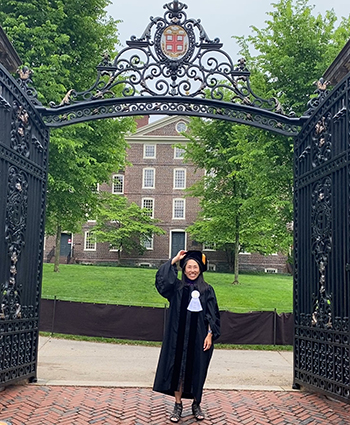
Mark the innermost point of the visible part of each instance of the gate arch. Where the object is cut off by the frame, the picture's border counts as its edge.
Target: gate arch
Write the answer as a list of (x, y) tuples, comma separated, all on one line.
[(175, 69)]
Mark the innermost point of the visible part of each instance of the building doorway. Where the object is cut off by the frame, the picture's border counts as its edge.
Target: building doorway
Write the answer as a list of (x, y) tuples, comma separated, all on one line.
[(177, 242)]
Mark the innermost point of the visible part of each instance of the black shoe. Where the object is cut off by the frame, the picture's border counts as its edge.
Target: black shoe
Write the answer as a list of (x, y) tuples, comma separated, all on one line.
[(197, 411), (176, 415)]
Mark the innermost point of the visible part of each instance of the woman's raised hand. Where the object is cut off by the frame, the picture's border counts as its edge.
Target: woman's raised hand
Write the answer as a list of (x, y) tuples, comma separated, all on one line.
[(179, 256)]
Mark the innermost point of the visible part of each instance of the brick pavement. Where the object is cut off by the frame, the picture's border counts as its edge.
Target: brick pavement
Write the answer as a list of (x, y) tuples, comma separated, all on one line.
[(36, 405)]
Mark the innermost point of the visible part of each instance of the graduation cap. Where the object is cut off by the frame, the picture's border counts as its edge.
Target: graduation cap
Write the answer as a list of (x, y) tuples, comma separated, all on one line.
[(197, 256)]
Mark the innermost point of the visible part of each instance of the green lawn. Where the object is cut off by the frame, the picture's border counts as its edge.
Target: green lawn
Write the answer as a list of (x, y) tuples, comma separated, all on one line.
[(135, 286)]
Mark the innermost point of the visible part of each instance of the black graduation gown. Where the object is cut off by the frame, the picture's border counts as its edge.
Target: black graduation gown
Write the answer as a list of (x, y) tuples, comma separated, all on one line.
[(182, 357)]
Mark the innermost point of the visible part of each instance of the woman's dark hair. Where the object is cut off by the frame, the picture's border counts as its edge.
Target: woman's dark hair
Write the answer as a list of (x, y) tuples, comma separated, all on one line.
[(200, 283)]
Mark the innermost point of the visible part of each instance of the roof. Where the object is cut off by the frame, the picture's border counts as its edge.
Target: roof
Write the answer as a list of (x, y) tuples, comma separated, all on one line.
[(8, 56), (162, 130), (340, 67)]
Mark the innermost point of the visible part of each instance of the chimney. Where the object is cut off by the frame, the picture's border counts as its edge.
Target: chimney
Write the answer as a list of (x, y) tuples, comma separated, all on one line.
[(142, 121)]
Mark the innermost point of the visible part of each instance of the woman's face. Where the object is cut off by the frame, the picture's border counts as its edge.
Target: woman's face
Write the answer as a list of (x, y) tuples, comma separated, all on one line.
[(192, 270)]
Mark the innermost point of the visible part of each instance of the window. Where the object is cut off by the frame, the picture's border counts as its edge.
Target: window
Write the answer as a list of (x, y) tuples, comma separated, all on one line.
[(89, 242), (179, 178), (114, 248), (149, 151), (148, 243), (271, 270), (178, 153), (148, 178), (181, 126), (118, 184), (211, 267), (179, 208), (207, 246), (149, 204)]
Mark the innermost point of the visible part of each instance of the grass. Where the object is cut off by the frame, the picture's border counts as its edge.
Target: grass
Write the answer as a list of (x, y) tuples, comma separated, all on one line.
[(135, 286)]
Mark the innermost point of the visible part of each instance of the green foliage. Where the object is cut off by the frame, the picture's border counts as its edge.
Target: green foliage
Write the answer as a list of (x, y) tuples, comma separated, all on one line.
[(81, 156), (246, 194), (135, 286), (294, 49), (123, 224), (247, 199), (62, 41)]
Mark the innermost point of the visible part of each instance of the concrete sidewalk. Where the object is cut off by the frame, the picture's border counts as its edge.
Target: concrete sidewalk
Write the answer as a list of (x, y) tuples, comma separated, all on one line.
[(79, 363)]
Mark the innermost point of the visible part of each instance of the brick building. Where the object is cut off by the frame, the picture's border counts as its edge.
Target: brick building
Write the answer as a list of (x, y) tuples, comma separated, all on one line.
[(156, 180)]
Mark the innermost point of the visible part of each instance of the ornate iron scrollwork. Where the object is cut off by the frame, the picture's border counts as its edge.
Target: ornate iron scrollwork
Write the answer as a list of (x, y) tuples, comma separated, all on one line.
[(173, 57), (20, 130), (26, 83), (322, 245), (322, 141), (321, 92), (4, 103), (15, 225)]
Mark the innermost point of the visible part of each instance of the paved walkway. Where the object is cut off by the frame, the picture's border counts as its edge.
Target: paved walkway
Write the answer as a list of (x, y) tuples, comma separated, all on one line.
[(69, 390)]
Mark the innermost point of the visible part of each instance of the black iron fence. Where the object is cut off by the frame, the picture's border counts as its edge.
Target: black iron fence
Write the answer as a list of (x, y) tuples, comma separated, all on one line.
[(147, 323)]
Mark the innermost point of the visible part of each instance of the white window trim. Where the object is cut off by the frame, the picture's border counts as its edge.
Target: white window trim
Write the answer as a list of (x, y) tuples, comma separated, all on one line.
[(174, 178), (118, 193), (208, 249), (177, 127), (148, 199), (152, 244), (114, 250), (184, 204), (176, 150), (144, 151), (143, 178), (85, 240), (211, 267)]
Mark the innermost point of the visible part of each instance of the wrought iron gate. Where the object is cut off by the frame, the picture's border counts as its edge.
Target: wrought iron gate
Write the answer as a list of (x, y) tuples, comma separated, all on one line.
[(185, 82), (322, 257), (23, 169)]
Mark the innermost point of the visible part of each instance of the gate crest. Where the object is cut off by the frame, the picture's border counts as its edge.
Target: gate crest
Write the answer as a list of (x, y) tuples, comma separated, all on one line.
[(174, 68)]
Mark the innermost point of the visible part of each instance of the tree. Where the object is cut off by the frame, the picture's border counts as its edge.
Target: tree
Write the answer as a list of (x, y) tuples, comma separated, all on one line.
[(247, 200), (62, 42), (238, 209), (125, 226), (294, 49)]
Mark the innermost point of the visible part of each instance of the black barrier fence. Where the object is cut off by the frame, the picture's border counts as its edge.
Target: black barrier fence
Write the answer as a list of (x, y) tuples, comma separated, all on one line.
[(147, 323)]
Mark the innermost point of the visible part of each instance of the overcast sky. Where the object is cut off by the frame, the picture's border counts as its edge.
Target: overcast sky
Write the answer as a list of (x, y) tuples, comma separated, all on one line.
[(220, 18)]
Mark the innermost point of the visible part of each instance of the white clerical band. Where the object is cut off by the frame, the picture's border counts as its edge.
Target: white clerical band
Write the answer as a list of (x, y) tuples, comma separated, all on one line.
[(195, 304)]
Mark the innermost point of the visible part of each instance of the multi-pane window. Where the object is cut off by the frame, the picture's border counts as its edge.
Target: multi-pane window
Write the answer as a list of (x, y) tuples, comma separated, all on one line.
[(181, 126), (118, 184), (178, 152), (179, 208), (207, 246), (148, 243), (89, 241), (149, 204), (179, 178), (148, 178), (149, 151)]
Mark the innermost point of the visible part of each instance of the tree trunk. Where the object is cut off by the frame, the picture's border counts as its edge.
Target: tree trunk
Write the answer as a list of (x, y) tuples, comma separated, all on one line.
[(236, 257), (56, 267)]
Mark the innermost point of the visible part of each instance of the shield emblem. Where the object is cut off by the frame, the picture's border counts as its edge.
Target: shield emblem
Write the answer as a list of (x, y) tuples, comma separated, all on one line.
[(174, 42)]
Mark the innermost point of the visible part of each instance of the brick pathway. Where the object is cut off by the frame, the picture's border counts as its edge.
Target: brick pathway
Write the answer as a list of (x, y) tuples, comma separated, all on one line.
[(36, 405)]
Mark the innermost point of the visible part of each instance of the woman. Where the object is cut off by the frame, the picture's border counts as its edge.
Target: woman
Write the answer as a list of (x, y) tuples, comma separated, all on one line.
[(193, 324)]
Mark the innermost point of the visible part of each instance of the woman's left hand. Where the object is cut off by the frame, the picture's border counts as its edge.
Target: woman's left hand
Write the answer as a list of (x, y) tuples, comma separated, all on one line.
[(208, 342)]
